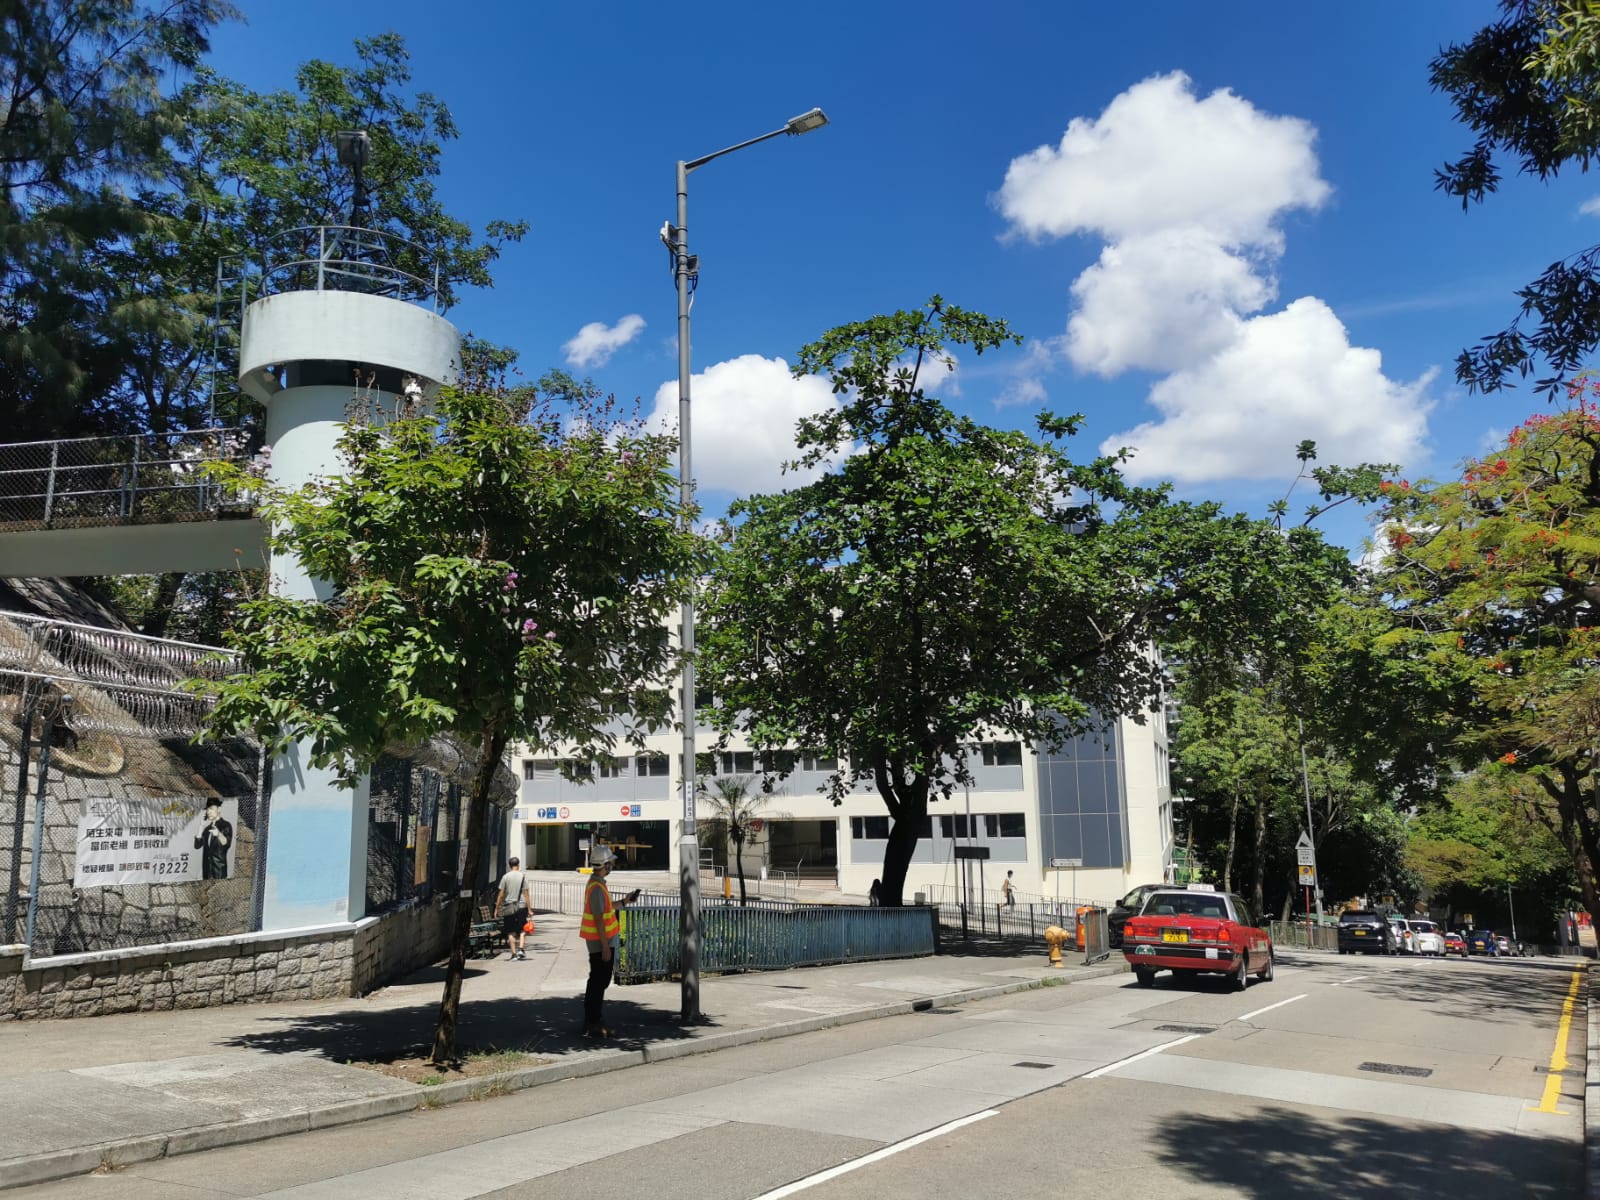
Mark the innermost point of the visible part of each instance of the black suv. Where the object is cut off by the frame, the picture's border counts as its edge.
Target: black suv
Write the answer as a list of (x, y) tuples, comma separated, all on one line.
[(1131, 905), (1366, 932)]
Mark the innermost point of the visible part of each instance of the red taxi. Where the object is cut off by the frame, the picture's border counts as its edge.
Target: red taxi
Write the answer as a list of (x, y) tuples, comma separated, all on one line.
[(1199, 929)]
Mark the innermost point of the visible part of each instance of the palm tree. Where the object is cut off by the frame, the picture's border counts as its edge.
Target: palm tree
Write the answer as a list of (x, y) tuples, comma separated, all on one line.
[(736, 803)]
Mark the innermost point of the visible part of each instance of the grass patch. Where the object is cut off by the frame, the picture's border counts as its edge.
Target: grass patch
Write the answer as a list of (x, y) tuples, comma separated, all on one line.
[(417, 1066)]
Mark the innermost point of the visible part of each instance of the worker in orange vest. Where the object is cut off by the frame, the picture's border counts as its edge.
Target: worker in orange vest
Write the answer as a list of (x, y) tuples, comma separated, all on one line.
[(598, 928)]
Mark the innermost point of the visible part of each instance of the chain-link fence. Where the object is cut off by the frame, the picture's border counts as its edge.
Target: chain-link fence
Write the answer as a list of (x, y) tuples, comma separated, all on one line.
[(115, 829), (416, 836), (149, 478)]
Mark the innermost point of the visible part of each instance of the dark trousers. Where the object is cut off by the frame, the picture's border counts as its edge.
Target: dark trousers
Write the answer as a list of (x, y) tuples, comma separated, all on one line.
[(594, 996)]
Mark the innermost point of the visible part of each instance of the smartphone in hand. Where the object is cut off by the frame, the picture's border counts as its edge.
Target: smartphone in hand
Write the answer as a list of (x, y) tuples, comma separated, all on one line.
[(633, 895)]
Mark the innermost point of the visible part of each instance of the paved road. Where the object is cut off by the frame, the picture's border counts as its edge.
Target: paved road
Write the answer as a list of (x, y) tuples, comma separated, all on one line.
[(1100, 1089)]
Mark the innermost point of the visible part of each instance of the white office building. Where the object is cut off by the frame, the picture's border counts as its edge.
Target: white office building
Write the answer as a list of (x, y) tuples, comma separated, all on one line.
[(1104, 800)]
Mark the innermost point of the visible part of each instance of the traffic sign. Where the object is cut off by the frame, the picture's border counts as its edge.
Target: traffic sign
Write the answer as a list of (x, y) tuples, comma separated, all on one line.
[(1305, 856), (1308, 875), (1066, 862)]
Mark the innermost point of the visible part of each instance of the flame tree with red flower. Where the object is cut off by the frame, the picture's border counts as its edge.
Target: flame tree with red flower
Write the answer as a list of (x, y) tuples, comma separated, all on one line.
[(1492, 581)]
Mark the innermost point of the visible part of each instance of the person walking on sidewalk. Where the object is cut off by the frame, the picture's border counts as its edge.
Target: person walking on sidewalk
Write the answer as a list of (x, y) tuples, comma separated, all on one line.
[(602, 935), (511, 908), (1010, 890)]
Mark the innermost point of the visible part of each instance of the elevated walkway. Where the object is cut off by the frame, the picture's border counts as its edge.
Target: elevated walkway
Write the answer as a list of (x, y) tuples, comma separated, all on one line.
[(135, 505)]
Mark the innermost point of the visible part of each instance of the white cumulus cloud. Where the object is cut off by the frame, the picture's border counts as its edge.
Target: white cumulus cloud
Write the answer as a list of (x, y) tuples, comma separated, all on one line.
[(596, 342), (1590, 207), (1160, 159), (1290, 375), (743, 414), (1189, 195), (1161, 300)]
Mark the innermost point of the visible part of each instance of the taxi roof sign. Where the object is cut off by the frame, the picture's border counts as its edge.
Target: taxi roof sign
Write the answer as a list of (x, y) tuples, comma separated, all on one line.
[(1201, 887)]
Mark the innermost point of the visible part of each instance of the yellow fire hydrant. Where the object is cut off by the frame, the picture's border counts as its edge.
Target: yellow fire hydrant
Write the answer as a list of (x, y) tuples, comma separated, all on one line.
[(1053, 937)]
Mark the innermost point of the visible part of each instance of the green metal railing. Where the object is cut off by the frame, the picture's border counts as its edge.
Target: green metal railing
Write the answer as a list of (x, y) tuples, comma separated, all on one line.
[(771, 938)]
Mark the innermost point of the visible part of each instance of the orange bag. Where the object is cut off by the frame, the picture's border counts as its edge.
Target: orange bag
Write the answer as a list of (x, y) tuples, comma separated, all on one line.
[(527, 926)]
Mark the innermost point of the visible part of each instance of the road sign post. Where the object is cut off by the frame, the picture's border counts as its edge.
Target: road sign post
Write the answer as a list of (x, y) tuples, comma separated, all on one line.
[(1060, 864)]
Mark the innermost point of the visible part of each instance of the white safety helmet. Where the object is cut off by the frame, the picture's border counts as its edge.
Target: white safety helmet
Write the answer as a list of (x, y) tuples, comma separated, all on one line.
[(601, 856)]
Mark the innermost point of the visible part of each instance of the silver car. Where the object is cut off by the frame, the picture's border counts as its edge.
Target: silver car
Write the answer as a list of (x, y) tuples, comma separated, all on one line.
[(1404, 940)]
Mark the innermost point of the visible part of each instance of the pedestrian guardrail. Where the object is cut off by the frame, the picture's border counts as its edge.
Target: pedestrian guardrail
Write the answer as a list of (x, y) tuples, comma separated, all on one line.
[(150, 478), (1298, 933), (771, 938)]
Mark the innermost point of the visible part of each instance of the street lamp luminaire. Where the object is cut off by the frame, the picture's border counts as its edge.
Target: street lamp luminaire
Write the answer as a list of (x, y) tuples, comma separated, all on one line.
[(685, 272)]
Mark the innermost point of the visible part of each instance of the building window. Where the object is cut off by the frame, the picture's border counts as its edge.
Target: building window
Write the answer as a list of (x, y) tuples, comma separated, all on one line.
[(1002, 754), (816, 760), (869, 828), (955, 825), (991, 825), (778, 762), (1013, 825), (613, 768), (738, 762), (652, 766), (539, 768)]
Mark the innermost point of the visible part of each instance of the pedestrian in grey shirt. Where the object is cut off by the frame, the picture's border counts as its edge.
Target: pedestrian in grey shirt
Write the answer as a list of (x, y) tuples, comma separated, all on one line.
[(511, 907)]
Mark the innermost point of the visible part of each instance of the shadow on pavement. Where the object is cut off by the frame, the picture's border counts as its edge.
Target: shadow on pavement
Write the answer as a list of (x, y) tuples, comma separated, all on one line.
[(1281, 1154), (1502, 990), (535, 1025)]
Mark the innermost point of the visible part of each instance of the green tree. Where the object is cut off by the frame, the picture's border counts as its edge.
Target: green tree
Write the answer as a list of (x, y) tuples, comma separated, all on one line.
[(84, 119), (736, 802), (1492, 584), (945, 578), (1526, 86), (1236, 747), (501, 570)]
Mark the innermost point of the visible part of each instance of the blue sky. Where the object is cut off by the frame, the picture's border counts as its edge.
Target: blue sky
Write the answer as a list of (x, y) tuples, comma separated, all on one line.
[(1216, 225)]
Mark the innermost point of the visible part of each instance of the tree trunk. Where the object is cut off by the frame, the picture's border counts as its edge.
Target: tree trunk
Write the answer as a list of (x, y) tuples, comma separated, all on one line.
[(908, 809), (1233, 836), (493, 746), (160, 612), (738, 858), (1258, 894)]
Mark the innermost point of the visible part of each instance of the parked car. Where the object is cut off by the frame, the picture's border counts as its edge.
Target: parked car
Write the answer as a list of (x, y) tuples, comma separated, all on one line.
[(1454, 943), (1403, 943), (1129, 906), (1427, 938), (1482, 941), (1365, 932), (1198, 930)]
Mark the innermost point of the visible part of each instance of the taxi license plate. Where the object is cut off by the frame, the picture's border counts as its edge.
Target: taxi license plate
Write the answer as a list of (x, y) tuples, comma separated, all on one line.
[(1174, 935), (1359, 932)]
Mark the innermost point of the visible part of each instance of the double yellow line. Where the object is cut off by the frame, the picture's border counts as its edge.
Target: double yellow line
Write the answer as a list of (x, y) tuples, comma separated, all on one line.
[(1558, 1056)]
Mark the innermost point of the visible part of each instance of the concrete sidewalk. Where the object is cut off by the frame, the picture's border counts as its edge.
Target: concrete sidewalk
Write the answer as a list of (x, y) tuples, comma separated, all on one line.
[(138, 1086)]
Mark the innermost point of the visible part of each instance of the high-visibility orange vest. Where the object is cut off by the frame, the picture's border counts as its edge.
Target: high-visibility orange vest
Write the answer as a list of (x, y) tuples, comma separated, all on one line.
[(586, 927)]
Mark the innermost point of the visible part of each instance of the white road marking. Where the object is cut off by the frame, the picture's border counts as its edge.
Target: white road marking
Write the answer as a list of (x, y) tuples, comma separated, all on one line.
[(1133, 1058), (1352, 979), (810, 1181), (1270, 1007)]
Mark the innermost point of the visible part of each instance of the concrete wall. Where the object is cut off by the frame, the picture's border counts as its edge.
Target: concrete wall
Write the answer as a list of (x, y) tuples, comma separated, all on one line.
[(311, 964)]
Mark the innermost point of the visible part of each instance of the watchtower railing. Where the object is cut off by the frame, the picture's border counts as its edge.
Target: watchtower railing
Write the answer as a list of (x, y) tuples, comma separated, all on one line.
[(151, 478)]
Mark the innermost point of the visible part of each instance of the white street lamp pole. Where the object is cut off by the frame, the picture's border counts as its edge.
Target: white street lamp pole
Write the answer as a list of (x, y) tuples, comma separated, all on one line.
[(685, 271)]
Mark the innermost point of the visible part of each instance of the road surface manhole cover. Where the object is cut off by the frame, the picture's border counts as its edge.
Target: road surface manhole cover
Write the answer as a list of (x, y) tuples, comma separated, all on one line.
[(1036, 1066), (1186, 1028), (1396, 1069)]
